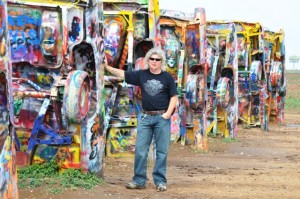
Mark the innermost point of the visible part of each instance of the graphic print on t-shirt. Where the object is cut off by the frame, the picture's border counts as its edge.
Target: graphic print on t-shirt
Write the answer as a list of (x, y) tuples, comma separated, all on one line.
[(153, 87)]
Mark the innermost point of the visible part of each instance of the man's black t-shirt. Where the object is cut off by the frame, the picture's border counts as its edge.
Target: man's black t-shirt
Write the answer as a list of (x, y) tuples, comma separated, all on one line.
[(157, 89)]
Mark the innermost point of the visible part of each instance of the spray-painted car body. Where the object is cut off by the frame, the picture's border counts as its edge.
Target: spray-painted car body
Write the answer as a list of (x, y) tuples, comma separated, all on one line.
[(274, 50), (252, 74), (56, 53), (130, 30), (261, 56), (8, 174), (183, 36), (222, 106), (252, 80), (114, 36)]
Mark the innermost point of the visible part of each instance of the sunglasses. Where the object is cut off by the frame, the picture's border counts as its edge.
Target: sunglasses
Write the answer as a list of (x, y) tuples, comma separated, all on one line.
[(154, 59)]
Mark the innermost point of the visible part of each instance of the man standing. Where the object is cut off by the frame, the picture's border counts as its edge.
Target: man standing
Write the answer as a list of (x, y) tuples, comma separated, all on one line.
[(159, 98)]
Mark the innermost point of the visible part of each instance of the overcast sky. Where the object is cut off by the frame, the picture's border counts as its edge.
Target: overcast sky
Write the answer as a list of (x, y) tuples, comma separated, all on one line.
[(274, 15)]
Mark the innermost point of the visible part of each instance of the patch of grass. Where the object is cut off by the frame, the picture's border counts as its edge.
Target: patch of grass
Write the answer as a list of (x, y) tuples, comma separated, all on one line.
[(75, 178), (230, 140), (292, 81), (292, 71), (292, 99), (292, 103), (38, 171), (212, 135), (47, 175), (56, 190)]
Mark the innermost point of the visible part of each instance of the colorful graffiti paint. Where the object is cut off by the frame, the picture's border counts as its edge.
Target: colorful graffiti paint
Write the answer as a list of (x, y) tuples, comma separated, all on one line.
[(274, 49), (183, 39), (114, 37), (252, 76), (222, 78), (127, 40), (260, 65), (8, 172), (121, 142), (58, 81), (25, 44), (62, 109)]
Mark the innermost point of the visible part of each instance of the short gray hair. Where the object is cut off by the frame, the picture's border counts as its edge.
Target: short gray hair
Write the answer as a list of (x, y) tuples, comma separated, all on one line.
[(159, 52)]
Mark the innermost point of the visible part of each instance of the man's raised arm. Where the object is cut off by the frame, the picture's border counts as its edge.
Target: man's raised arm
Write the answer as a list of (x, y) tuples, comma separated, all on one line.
[(114, 71)]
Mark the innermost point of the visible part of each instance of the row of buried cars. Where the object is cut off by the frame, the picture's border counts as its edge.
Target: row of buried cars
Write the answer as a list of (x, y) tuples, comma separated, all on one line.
[(56, 101), (232, 72)]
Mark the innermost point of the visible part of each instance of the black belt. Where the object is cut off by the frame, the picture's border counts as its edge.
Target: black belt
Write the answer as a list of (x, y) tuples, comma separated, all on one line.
[(159, 112)]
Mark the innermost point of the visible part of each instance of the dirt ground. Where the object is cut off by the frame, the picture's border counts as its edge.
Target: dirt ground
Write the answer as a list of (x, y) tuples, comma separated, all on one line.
[(259, 165)]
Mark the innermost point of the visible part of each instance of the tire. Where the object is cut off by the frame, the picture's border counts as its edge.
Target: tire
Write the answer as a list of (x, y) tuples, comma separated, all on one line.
[(223, 92), (76, 96), (195, 88), (192, 97)]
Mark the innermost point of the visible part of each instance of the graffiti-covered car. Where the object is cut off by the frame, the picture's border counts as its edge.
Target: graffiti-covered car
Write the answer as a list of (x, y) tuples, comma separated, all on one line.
[(131, 28), (252, 74), (274, 50), (183, 40), (261, 76), (8, 173), (56, 55), (222, 83)]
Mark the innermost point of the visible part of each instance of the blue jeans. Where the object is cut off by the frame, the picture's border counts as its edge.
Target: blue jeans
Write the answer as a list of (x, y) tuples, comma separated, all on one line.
[(150, 127)]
